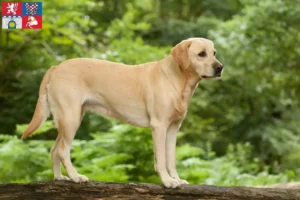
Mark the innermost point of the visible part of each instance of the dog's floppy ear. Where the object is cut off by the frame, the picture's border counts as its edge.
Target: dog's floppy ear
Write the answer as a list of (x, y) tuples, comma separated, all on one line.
[(180, 53)]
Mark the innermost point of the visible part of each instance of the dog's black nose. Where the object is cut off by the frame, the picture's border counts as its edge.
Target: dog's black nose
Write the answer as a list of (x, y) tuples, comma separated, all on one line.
[(218, 69)]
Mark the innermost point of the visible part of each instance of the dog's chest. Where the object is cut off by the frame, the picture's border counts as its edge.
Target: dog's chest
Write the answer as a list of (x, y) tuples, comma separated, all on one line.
[(181, 104), (179, 110)]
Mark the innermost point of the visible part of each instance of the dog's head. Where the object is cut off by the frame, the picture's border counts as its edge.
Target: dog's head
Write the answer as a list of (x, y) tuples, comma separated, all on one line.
[(198, 54)]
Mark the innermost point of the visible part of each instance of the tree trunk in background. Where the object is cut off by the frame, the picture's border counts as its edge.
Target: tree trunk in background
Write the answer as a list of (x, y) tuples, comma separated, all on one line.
[(98, 190)]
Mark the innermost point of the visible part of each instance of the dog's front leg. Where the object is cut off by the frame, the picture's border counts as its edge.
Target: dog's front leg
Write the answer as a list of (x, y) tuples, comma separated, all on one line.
[(159, 141), (171, 152)]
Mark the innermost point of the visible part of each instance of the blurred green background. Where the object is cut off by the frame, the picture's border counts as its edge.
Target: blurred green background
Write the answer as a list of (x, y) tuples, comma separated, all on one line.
[(241, 130)]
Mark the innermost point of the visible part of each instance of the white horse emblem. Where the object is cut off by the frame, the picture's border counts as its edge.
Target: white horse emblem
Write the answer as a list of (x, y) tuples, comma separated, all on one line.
[(31, 21)]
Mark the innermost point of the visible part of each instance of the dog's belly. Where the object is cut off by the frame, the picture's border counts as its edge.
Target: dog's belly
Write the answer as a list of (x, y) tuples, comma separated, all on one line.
[(136, 117)]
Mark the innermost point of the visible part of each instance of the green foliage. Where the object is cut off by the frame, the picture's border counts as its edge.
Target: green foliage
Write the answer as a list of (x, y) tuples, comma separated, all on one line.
[(125, 51), (174, 30), (125, 154), (229, 170), (21, 161)]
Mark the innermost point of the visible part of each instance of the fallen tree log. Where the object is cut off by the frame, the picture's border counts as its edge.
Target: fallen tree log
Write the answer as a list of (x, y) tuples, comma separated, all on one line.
[(290, 185), (66, 190)]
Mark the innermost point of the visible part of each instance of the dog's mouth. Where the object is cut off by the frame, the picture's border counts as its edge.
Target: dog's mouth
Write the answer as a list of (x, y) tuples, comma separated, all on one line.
[(208, 77)]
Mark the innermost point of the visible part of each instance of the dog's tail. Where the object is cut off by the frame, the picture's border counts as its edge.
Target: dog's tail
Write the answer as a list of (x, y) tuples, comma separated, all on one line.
[(42, 108)]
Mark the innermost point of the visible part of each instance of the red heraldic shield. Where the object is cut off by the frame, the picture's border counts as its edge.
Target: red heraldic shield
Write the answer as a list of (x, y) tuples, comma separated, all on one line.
[(11, 8), (31, 22)]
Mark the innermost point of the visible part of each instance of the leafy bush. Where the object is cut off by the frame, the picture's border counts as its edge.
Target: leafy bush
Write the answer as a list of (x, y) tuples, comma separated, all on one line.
[(125, 154)]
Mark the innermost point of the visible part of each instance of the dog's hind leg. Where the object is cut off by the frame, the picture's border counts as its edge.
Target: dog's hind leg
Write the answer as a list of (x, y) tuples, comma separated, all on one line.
[(56, 161), (68, 122)]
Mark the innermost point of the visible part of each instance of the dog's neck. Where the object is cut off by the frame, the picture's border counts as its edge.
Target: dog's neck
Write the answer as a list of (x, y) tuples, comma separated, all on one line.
[(184, 81)]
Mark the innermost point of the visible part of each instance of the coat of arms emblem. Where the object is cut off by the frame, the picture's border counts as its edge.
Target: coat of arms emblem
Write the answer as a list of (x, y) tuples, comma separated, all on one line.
[(22, 15)]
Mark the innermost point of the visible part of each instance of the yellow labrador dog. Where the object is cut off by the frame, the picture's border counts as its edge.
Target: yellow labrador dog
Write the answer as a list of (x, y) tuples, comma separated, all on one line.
[(154, 95)]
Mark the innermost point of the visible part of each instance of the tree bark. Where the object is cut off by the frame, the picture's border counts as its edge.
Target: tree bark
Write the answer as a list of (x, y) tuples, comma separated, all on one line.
[(66, 190)]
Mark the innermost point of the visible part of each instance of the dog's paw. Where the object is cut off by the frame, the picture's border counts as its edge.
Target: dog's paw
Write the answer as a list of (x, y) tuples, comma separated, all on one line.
[(183, 182), (80, 178), (62, 178), (171, 183)]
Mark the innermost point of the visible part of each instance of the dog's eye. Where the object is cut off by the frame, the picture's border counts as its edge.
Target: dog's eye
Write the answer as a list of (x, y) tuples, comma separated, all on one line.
[(202, 54), (215, 53)]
